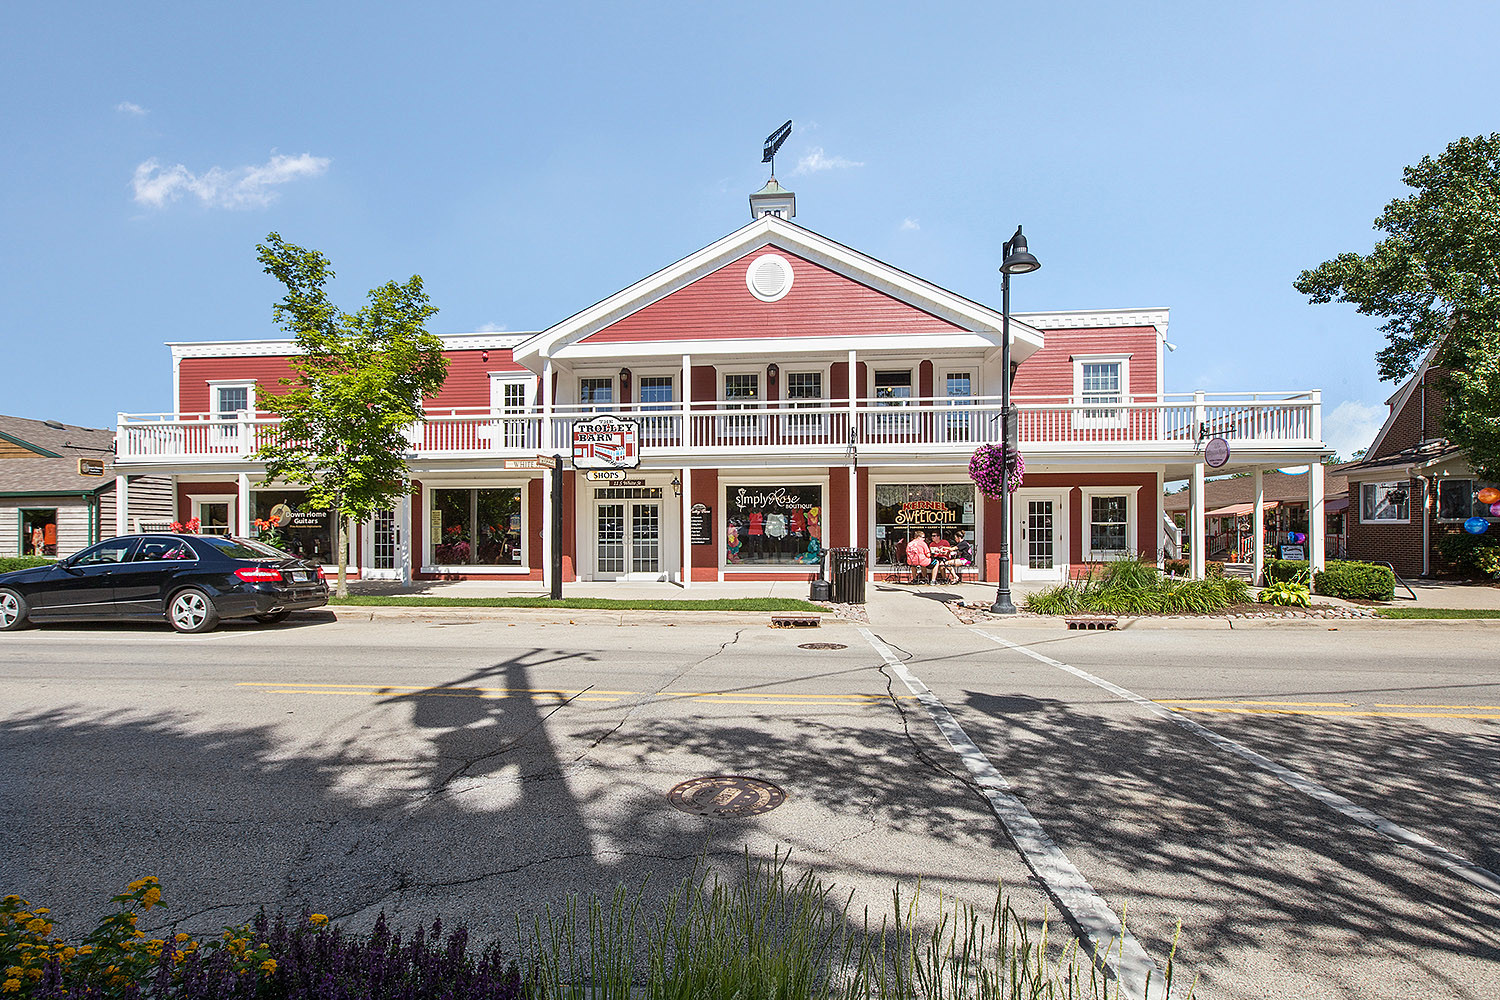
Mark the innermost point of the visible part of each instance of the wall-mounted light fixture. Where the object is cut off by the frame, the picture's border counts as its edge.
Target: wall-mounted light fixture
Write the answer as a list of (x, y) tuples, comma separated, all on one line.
[(624, 385), (484, 357), (677, 486), (771, 372)]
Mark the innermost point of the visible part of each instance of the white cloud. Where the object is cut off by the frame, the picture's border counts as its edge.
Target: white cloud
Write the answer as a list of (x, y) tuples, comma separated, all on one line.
[(909, 224), (1352, 425), (818, 161), (490, 328), (131, 108), (240, 187)]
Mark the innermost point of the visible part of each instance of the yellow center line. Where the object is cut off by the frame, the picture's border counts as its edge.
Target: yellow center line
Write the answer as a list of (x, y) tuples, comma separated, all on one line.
[(1295, 704), (421, 694), (1383, 715), (417, 687), (769, 694), (1477, 708)]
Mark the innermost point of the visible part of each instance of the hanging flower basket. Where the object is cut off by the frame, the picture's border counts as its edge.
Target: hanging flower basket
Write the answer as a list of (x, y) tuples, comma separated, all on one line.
[(985, 468)]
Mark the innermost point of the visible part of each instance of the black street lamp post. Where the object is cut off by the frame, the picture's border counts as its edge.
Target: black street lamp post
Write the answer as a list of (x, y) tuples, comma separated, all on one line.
[(1017, 260)]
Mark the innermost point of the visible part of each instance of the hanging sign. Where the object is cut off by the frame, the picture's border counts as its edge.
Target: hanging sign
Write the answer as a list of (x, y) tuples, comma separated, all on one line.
[(606, 443), (1216, 453), (605, 475), (701, 525), (91, 466)]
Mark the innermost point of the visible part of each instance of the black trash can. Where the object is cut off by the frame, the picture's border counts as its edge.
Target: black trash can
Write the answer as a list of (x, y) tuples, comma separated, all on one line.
[(849, 575)]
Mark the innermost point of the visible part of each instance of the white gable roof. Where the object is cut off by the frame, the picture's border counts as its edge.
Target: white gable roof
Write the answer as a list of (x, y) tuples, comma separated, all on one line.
[(979, 326)]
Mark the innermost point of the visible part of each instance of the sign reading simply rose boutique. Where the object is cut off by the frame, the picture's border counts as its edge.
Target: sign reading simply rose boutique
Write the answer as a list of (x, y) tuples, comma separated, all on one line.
[(773, 525)]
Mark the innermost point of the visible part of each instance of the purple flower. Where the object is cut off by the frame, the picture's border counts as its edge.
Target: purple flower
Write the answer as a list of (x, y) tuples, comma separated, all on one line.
[(987, 470)]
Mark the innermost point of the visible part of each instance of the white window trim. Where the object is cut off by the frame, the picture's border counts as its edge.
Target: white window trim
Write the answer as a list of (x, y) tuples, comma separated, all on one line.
[(1406, 483), (823, 371), (197, 500), (1081, 417), (1437, 504), (913, 369), (751, 426), (636, 375), (770, 479), (929, 479), (214, 387), (975, 431), (468, 569), (1132, 524)]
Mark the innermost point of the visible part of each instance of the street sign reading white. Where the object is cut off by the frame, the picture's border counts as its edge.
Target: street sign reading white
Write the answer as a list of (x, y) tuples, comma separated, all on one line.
[(606, 443), (540, 462)]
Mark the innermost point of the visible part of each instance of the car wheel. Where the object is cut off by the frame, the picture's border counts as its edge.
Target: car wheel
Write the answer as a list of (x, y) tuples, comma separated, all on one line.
[(191, 610), (13, 611), (273, 617)]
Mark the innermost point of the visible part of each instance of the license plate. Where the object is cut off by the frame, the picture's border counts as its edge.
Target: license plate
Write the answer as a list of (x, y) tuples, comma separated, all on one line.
[(301, 576)]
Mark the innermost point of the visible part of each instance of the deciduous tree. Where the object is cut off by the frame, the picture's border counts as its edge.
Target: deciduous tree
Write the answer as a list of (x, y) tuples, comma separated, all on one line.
[(360, 382), (1435, 279)]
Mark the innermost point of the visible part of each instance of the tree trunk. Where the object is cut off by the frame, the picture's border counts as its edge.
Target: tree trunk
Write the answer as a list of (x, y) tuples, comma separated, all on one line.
[(342, 590)]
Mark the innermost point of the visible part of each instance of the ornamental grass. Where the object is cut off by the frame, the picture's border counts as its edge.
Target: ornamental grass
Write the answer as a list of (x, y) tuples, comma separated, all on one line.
[(766, 934), (1132, 586)]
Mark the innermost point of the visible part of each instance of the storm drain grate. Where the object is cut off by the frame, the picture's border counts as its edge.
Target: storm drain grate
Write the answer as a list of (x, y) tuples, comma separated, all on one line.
[(795, 621), (821, 645), (727, 796), (1092, 624)]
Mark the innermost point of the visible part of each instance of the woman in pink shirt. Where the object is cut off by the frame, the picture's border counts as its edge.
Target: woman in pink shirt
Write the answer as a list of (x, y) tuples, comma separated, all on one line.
[(918, 555)]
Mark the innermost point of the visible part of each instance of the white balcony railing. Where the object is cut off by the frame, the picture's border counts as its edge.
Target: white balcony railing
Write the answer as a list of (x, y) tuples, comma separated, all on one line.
[(938, 425)]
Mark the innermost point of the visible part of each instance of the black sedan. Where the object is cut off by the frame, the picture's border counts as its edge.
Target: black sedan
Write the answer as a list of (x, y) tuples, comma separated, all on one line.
[(192, 580)]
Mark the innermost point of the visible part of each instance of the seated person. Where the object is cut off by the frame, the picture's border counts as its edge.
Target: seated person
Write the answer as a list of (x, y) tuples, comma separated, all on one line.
[(963, 553), (942, 552), (918, 555)]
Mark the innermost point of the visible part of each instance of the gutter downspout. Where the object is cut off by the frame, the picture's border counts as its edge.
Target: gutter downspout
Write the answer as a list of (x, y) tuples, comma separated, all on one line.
[(1426, 516)]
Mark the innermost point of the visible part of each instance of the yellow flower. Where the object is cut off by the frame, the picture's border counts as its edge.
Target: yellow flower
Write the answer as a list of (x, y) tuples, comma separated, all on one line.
[(85, 949), (33, 974), (13, 972), (151, 898), (180, 937), (36, 925), (43, 909), (131, 918), (68, 953), (268, 966), (318, 919), (10, 986), (13, 899)]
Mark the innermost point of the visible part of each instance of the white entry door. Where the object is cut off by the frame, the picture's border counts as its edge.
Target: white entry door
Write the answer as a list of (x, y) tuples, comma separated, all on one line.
[(627, 531), (381, 555), (1040, 535)]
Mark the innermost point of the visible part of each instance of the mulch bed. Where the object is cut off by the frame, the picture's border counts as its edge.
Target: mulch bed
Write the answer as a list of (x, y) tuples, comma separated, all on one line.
[(971, 614)]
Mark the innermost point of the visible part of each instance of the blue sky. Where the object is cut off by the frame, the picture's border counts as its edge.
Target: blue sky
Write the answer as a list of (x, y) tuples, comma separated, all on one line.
[(527, 161)]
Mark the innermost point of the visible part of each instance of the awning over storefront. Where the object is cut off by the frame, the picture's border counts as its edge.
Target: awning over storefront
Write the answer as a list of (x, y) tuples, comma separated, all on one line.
[(1240, 508)]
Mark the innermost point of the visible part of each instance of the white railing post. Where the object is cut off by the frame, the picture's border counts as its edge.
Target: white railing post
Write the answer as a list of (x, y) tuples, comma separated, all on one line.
[(687, 401), (1316, 421), (246, 432)]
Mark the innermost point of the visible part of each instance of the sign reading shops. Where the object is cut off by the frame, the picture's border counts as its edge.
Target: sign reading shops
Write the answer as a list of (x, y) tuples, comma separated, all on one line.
[(926, 512)]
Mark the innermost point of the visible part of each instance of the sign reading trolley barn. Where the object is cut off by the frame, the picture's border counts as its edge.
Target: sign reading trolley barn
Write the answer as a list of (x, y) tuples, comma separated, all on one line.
[(606, 443)]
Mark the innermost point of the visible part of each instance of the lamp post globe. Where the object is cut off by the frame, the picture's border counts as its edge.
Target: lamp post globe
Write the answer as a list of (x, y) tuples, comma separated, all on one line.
[(1016, 259)]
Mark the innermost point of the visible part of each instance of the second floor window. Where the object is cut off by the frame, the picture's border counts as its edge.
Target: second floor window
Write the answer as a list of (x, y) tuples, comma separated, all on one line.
[(804, 385), (1101, 384), (745, 387), (597, 394), (232, 399), (893, 388), (656, 392)]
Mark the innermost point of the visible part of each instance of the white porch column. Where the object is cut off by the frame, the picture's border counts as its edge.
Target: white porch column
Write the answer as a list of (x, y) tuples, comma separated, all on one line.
[(687, 528), (853, 453), (687, 406), (122, 505), (1316, 519), (549, 502), (1258, 563), (242, 509), (1197, 527), (403, 537)]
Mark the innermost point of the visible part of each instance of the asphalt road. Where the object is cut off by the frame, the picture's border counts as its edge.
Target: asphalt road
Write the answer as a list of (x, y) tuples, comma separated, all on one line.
[(472, 768)]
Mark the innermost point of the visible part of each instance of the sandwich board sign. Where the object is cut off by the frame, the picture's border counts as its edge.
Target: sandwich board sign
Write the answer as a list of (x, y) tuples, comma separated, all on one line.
[(606, 443)]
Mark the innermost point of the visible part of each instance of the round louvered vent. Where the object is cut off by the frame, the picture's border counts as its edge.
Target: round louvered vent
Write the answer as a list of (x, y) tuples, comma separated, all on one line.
[(769, 277)]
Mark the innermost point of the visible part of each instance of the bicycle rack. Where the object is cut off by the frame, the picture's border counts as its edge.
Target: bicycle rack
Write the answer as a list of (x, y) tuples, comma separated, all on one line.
[(1399, 582)]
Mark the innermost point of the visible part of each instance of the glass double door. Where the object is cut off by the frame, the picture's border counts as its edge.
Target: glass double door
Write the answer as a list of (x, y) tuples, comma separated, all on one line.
[(628, 532)]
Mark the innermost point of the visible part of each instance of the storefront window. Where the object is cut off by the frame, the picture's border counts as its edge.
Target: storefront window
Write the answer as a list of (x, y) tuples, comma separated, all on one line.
[(773, 525), (300, 529), (939, 509), (1108, 516), (476, 527), (39, 532)]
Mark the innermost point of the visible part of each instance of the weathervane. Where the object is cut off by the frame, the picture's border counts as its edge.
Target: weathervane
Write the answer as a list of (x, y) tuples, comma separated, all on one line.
[(773, 143)]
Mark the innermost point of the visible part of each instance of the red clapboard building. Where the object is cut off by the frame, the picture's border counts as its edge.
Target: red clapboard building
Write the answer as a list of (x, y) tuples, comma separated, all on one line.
[(784, 394)]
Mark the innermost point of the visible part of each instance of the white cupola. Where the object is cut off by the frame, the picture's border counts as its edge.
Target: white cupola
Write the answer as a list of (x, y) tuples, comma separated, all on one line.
[(773, 199)]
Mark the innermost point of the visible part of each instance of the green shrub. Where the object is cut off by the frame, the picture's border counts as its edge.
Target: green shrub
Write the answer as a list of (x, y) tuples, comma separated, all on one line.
[(1286, 593), (1473, 554), (1284, 570), (1363, 580), (1135, 587), (9, 563)]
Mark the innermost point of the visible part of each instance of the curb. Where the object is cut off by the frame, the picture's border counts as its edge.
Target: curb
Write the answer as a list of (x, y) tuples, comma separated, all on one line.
[(565, 616)]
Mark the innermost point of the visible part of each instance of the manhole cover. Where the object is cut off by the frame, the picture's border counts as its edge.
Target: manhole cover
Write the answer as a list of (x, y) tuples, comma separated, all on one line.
[(822, 645), (726, 795)]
